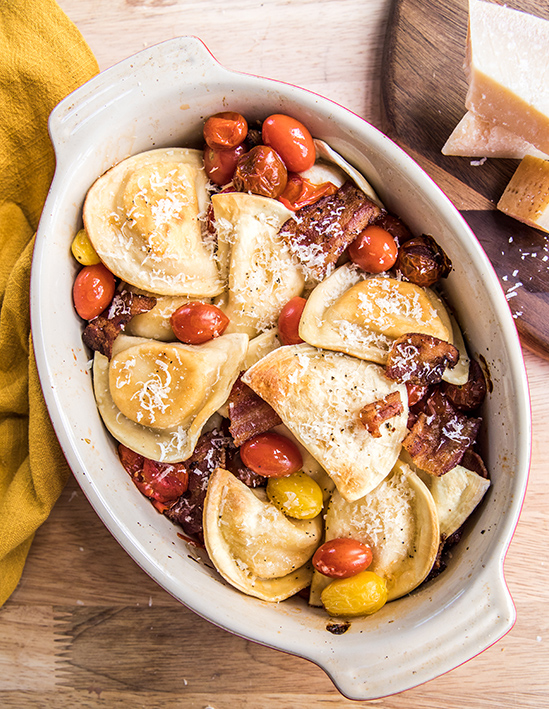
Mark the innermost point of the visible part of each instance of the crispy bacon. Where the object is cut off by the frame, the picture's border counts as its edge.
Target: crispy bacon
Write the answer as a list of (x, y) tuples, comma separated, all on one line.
[(102, 331), (210, 453), (245, 474), (249, 414), (376, 413), (319, 233), (420, 359), (440, 436), (471, 395), (472, 461)]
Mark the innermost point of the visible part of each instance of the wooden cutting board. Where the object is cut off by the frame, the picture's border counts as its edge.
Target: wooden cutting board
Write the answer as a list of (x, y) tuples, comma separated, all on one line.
[(423, 93)]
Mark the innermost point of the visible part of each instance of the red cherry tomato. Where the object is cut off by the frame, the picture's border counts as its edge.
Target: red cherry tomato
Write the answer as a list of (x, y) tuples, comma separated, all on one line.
[(93, 290), (225, 130), (416, 392), (342, 558), (291, 140), (288, 321), (374, 250), (195, 323), (271, 454), (221, 164), (261, 171), (163, 482), (299, 192)]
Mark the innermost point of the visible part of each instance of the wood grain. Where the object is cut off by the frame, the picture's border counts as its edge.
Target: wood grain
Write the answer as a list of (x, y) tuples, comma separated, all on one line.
[(86, 626), (423, 100)]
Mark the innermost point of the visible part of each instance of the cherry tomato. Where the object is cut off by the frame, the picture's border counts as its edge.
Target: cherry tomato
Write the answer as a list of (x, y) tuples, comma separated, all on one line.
[(288, 321), (271, 454), (261, 171), (163, 482), (362, 594), (93, 290), (299, 192), (132, 461), (82, 249), (342, 558), (291, 140), (416, 392), (195, 323), (220, 164), (297, 495), (374, 250), (225, 130)]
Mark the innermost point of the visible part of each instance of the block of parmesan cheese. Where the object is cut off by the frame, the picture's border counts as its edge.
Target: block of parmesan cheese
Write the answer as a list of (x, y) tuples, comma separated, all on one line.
[(526, 197), (508, 71), (475, 137)]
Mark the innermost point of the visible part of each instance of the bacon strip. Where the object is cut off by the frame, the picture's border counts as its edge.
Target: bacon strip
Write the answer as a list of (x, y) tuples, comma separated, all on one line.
[(210, 453), (102, 331), (319, 233), (376, 413), (471, 395), (249, 414), (440, 436), (420, 359)]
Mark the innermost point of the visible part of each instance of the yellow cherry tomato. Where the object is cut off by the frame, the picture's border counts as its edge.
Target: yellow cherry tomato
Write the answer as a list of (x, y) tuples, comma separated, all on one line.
[(83, 251), (297, 495), (362, 594)]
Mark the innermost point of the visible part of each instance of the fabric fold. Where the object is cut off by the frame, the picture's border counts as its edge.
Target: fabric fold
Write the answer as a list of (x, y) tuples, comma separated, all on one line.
[(43, 58)]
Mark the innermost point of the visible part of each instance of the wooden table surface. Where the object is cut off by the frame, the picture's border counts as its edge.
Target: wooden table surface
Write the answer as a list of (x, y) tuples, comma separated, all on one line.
[(86, 627)]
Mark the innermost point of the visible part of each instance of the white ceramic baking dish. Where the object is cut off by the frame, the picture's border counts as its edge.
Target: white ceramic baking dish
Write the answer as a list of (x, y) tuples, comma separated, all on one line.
[(158, 98)]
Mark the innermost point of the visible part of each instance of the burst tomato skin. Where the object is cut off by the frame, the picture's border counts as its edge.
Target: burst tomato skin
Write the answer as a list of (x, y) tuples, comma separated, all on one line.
[(93, 290), (163, 482), (195, 323), (271, 454), (299, 192), (291, 140), (374, 250), (225, 130), (221, 164), (288, 321), (341, 558), (261, 171)]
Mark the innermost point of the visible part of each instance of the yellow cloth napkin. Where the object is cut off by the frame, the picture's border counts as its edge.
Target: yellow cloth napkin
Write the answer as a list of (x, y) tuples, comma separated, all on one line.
[(43, 57)]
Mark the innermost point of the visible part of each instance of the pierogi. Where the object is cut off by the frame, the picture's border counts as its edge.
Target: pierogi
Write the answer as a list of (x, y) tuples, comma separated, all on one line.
[(154, 225), (145, 218), (319, 395), (155, 397)]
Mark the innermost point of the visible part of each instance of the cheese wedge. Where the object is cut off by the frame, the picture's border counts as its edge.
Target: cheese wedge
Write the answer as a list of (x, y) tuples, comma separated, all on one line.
[(526, 197), (474, 137), (507, 69)]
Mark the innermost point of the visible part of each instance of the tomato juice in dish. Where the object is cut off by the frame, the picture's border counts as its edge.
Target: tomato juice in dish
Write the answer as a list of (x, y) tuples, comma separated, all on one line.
[(270, 352)]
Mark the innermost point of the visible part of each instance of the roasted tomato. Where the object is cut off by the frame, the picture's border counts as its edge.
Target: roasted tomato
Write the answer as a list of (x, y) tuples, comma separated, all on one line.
[(299, 192), (261, 171), (195, 323), (291, 140), (221, 164), (422, 261), (93, 290), (341, 558), (225, 130), (163, 482), (288, 321), (374, 250), (271, 454)]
